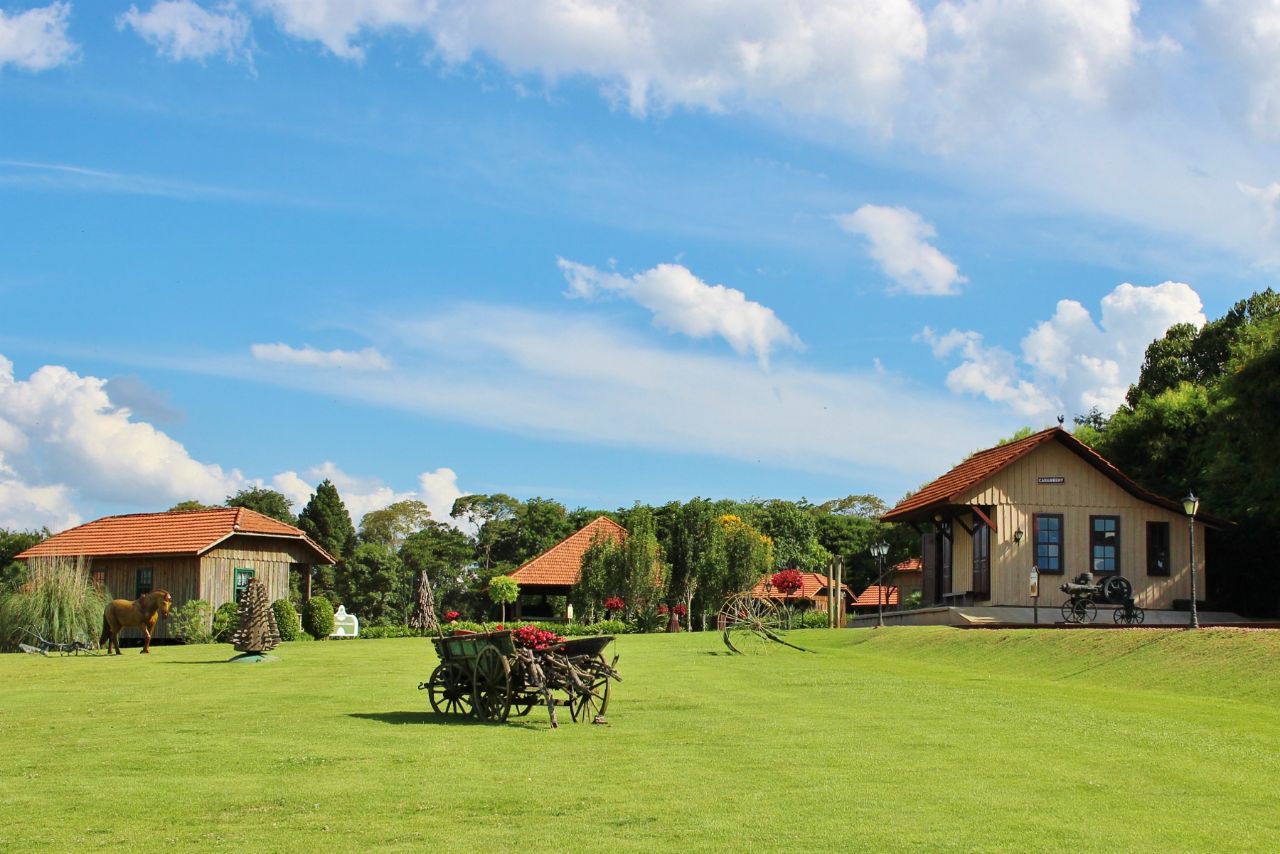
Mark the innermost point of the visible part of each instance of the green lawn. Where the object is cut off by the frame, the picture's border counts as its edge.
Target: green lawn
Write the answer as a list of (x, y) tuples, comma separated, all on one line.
[(893, 739)]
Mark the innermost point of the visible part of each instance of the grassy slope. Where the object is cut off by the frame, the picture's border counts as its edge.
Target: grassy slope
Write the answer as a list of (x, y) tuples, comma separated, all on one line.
[(896, 739)]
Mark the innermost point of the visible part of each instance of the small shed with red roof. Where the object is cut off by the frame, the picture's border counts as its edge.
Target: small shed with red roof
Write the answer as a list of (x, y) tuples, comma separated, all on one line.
[(908, 577), (811, 595), (194, 554), (1051, 501), (877, 596), (555, 571)]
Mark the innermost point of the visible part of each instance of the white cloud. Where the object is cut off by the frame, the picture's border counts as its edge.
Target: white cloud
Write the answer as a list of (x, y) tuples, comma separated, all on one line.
[(27, 507), (36, 40), (368, 359), (898, 240), (182, 29), (437, 489), (1246, 35), (811, 55), (681, 302), (60, 433), (1073, 363)]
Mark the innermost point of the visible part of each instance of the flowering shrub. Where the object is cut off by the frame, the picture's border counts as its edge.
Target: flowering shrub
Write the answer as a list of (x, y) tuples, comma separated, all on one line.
[(662, 609), (679, 610), (614, 603), (451, 616), (788, 581), (532, 637)]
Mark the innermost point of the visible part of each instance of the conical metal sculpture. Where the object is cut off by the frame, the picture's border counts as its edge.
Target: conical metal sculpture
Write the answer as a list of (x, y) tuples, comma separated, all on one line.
[(257, 632)]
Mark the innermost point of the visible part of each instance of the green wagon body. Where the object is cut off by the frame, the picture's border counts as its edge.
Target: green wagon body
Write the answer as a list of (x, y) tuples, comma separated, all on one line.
[(484, 675)]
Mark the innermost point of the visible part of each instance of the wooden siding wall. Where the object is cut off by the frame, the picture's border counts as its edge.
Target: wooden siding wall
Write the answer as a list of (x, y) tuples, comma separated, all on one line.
[(269, 559), (178, 575), (1016, 495)]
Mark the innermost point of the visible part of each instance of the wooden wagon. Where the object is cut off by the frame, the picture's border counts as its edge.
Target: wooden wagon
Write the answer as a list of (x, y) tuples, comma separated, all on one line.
[(487, 675)]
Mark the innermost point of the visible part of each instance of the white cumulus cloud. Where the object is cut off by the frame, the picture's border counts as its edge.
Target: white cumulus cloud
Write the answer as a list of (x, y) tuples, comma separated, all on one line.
[(182, 29), (1246, 35), (898, 240), (683, 303), (437, 489), (1070, 364), (368, 359), (36, 40)]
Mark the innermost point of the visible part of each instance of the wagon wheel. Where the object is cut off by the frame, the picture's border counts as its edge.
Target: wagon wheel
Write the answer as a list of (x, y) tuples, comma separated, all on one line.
[(751, 625), (491, 686), (1116, 589), (585, 705), (1086, 611), (523, 703), (1069, 611), (448, 691), (1139, 615)]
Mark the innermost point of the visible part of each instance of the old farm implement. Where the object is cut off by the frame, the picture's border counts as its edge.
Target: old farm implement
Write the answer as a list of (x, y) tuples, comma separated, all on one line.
[(1084, 597), (29, 641), (489, 676), (752, 625)]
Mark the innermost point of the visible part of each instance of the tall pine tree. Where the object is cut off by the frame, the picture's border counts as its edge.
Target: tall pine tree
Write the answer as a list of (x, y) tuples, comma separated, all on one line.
[(326, 520)]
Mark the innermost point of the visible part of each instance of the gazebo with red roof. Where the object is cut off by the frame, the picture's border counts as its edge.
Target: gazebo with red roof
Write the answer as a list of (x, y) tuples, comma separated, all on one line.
[(555, 571), (206, 554), (1051, 501)]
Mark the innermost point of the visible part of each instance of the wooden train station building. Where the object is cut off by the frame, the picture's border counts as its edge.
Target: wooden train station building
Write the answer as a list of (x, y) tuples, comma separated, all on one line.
[(1051, 501), (194, 554)]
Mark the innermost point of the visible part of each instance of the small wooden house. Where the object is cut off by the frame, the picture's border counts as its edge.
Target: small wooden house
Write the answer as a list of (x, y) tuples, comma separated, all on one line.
[(812, 594), (1051, 501), (907, 576), (194, 554), (555, 571)]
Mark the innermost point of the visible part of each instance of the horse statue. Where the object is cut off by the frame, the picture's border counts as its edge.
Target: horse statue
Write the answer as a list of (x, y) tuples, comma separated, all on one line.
[(141, 612)]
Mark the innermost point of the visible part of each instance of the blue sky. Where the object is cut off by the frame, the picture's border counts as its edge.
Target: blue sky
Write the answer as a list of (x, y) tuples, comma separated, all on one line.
[(601, 251)]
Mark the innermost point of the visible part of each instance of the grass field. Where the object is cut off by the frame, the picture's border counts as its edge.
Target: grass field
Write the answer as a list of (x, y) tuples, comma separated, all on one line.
[(880, 740)]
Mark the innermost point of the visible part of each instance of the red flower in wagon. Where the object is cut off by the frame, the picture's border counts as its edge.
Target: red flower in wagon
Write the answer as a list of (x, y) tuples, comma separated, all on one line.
[(614, 603), (531, 637), (787, 581), (451, 616), (679, 609)]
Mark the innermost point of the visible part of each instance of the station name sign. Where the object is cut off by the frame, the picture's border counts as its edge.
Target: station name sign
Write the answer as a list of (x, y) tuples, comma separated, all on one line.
[(1053, 479)]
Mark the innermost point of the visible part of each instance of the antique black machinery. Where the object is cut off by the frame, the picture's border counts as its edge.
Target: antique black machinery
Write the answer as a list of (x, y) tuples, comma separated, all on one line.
[(1084, 597)]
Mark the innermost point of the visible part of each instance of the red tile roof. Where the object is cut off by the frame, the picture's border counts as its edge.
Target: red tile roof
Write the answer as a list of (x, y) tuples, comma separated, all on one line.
[(560, 565), (873, 596), (984, 464), (911, 564), (185, 532), (811, 587)]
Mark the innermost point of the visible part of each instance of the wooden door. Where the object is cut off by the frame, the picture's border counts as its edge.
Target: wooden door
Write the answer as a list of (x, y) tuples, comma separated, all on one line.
[(981, 561), (929, 574)]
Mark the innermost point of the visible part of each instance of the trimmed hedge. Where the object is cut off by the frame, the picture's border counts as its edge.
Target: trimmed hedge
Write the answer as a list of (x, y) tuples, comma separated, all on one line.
[(287, 619), (190, 622), (224, 622), (317, 618)]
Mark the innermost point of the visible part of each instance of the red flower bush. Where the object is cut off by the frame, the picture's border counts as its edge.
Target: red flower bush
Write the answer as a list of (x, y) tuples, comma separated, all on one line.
[(787, 581), (679, 610), (662, 609), (451, 616), (614, 603), (532, 637)]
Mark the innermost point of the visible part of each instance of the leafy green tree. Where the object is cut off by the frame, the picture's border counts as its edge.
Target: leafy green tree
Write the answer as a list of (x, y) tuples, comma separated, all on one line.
[(694, 546), (13, 574), (488, 516), (372, 584), (794, 532), (191, 504), (325, 519), (268, 502), (447, 556), (393, 524), (503, 590), (747, 555)]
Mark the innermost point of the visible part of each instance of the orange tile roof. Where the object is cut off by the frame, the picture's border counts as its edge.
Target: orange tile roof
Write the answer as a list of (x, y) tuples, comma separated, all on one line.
[(872, 596), (560, 565), (984, 464), (911, 564), (183, 532), (811, 586)]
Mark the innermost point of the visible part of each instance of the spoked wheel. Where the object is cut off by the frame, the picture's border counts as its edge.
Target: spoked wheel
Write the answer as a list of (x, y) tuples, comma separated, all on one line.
[(1069, 611), (1116, 589), (1127, 617), (751, 625), (491, 686), (448, 691), (522, 704), (585, 705), (1086, 611)]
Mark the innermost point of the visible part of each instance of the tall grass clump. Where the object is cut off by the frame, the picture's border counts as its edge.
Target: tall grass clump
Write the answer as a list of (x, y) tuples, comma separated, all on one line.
[(59, 602)]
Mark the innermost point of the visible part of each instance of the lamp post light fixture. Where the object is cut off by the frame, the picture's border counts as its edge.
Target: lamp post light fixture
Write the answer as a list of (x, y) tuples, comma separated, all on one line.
[(1018, 535), (1191, 505), (878, 551)]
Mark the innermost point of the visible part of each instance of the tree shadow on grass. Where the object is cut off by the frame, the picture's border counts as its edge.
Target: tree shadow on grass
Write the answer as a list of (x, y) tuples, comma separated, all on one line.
[(431, 718), (210, 661)]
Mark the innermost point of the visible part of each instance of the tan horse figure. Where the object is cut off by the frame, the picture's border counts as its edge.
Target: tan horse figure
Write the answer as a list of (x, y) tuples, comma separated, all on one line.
[(142, 612)]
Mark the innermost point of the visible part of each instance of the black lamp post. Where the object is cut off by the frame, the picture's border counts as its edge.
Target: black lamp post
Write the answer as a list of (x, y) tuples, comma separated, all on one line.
[(1191, 504), (878, 551)]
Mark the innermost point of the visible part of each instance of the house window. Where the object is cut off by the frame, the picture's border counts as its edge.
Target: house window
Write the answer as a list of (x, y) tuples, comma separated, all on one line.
[(1104, 544), (143, 583), (1048, 539), (1157, 548), (242, 578)]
